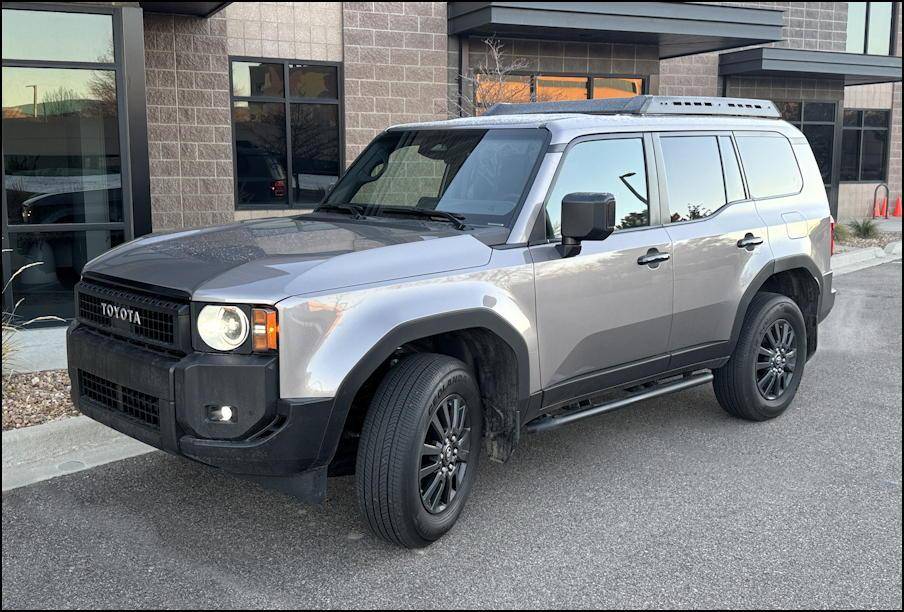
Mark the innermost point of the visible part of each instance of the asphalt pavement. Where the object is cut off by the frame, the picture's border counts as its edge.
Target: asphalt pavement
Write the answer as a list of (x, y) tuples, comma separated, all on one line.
[(670, 503)]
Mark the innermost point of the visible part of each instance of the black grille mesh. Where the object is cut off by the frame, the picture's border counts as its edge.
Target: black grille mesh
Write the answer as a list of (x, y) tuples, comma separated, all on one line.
[(134, 404)]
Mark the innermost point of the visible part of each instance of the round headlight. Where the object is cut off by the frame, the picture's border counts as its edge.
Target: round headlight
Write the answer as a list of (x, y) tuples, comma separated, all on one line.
[(224, 328)]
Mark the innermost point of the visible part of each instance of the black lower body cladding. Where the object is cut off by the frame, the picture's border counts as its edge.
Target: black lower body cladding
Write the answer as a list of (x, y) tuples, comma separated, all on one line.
[(165, 401)]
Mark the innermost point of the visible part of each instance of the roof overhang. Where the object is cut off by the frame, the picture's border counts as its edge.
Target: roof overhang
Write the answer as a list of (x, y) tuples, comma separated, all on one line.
[(193, 9), (852, 68), (677, 28)]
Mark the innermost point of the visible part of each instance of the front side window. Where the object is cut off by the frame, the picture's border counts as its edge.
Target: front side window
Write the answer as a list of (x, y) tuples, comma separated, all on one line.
[(770, 165), (693, 169), (615, 166), (480, 176), (864, 145), (286, 125)]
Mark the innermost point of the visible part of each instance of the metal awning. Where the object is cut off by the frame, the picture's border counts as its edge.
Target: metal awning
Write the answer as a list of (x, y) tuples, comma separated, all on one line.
[(677, 28), (194, 9), (852, 68)]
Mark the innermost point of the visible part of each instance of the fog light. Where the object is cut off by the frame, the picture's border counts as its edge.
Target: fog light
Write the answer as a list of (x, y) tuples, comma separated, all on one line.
[(221, 414)]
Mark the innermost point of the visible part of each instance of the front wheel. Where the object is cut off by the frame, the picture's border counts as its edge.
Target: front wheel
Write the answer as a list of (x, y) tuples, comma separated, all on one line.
[(761, 378), (419, 447)]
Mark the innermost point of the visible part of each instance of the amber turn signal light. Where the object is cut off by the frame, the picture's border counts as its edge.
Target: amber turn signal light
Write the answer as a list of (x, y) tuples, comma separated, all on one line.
[(264, 330)]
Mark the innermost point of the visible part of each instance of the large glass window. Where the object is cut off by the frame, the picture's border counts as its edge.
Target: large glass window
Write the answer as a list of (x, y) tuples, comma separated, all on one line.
[(864, 145), (520, 88), (693, 169), (287, 129), (817, 122), (770, 165), (869, 27), (63, 199), (615, 166), (480, 176)]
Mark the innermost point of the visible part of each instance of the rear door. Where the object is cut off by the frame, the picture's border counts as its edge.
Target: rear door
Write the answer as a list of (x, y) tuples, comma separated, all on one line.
[(718, 240), (603, 316)]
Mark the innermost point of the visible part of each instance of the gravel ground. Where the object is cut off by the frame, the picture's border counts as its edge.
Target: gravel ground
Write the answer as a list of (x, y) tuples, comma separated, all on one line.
[(36, 397), (881, 241)]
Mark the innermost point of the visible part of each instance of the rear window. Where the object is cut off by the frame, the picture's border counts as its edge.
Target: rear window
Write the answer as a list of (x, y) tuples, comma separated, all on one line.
[(770, 166)]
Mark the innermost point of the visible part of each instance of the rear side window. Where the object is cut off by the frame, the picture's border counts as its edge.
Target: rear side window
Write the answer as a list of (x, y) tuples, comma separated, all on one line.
[(693, 169), (770, 166)]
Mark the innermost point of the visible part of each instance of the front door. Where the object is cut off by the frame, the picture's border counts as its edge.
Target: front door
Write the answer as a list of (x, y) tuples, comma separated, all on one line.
[(604, 315)]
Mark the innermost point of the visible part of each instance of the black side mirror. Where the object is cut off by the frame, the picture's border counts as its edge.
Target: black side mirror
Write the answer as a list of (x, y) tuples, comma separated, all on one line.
[(586, 216)]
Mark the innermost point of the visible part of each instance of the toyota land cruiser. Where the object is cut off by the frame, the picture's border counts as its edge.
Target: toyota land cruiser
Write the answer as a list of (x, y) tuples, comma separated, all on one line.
[(465, 282)]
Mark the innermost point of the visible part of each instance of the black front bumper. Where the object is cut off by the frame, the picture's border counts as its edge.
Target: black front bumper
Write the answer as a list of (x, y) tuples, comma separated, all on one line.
[(163, 400)]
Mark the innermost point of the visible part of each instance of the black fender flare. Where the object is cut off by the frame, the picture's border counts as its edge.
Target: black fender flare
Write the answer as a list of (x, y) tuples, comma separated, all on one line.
[(409, 332), (782, 264)]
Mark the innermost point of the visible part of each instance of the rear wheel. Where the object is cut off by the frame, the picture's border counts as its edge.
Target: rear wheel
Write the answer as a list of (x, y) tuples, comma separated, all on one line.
[(761, 379), (417, 458)]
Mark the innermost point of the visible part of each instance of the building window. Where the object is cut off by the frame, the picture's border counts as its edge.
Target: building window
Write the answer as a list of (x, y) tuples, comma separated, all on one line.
[(864, 145), (817, 121), (515, 88), (287, 130), (64, 198), (869, 27)]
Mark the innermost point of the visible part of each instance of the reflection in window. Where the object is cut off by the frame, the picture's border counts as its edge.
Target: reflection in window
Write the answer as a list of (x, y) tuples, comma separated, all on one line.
[(615, 166), (561, 88), (869, 27), (47, 288), (260, 152), (315, 150), (61, 146), (62, 37), (492, 89), (608, 87), (275, 168), (864, 145), (693, 169), (770, 166)]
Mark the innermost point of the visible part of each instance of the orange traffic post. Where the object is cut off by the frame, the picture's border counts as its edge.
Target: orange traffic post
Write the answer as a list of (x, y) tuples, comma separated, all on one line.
[(897, 211), (877, 208)]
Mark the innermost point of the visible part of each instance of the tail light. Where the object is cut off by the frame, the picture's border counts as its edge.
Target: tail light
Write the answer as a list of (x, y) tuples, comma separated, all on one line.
[(278, 188), (832, 238)]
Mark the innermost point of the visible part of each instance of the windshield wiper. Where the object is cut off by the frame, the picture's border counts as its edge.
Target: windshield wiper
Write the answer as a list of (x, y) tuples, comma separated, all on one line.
[(425, 213), (355, 210)]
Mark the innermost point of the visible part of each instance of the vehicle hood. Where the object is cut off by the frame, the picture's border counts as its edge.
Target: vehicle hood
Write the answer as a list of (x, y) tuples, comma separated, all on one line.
[(268, 260)]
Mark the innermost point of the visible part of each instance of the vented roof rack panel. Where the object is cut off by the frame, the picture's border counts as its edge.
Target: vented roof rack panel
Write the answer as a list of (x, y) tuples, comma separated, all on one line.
[(647, 105)]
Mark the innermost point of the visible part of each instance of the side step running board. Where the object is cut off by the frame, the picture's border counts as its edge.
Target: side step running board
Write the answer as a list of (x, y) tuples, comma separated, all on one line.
[(551, 422)]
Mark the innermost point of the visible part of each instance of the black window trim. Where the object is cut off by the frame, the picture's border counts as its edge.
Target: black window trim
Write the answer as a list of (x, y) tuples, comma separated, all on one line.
[(861, 129), (288, 101), (892, 37)]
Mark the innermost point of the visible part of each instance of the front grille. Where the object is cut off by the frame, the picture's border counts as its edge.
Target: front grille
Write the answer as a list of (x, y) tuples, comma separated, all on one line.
[(153, 321), (133, 404)]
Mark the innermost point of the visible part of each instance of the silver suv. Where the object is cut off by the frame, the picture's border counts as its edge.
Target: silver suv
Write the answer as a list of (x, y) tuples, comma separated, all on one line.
[(465, 282)]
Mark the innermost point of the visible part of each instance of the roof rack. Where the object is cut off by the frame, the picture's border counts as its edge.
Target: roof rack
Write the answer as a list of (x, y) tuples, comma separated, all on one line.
[(646, 105)]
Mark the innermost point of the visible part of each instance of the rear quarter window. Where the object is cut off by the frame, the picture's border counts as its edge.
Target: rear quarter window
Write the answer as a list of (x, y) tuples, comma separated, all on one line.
[(770, 165)]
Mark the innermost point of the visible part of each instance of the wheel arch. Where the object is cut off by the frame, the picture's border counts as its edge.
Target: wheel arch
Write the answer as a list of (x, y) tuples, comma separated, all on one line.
[(477, 327), (796, 277)]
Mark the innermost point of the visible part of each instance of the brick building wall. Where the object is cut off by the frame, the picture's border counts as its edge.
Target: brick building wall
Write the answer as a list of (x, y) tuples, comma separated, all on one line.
[(395, 59)]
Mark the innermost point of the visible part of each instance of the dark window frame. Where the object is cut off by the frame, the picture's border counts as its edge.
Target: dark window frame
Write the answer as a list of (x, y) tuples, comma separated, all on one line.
[(535, 74), (835, 161), (131, 101), (288, 101), (861, 129), (891, 33)]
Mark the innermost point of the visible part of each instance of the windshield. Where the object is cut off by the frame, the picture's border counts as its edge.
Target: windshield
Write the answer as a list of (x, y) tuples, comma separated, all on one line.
[(477, 175)]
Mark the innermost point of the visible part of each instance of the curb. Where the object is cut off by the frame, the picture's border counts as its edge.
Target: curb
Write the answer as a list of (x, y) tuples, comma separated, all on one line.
[(41, 452), (859, 259)]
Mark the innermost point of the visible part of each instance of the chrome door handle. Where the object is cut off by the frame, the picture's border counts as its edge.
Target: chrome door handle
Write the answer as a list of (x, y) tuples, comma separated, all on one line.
[(749, 242), (653, 258)]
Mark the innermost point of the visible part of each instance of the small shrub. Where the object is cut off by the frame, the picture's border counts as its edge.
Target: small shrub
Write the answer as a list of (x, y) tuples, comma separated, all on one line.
[(842, 233), (865, 228)]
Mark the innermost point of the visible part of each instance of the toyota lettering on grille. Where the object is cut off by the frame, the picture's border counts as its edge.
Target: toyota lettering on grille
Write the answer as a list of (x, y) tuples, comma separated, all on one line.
[(121, 313)]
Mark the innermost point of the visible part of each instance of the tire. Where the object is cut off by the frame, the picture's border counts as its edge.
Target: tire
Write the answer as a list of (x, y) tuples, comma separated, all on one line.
[(399, 505), (756, 384)]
